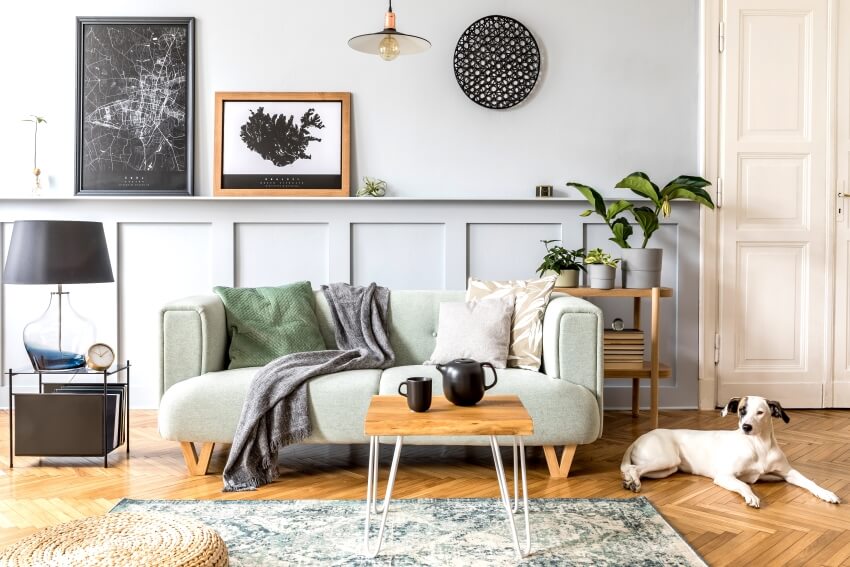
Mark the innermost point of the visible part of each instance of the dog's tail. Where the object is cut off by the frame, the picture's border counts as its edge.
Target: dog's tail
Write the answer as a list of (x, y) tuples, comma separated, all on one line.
[(631, 478)]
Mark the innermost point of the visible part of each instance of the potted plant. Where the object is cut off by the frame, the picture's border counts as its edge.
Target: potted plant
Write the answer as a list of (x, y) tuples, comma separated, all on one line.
[(642, 266), (561, 262), (601, 268)]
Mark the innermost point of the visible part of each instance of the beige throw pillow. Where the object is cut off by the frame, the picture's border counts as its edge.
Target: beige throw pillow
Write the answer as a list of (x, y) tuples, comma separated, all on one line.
[(531, 297), (480, 330)]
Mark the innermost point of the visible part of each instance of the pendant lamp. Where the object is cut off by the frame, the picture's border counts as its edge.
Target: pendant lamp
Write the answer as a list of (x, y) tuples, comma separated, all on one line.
[(389, 43)]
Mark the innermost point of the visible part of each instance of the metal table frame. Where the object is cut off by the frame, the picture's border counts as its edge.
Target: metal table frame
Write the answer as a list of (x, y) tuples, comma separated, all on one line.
[(372, 491), (75, 373)]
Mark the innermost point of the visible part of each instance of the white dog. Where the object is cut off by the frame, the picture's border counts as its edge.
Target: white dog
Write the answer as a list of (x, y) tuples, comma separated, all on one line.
[(734, 459)]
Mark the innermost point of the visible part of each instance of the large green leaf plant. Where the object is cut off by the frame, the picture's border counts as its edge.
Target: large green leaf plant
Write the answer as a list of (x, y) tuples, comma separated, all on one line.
[(689, 187)]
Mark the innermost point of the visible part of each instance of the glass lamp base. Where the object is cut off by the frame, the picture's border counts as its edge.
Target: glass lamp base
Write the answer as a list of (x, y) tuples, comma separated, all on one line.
[(46, 359), (59, 338)]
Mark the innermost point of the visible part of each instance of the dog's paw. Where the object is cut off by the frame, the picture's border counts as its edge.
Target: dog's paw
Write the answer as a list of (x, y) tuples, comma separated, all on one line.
[(631, 480), (752, 500), (828, 496)]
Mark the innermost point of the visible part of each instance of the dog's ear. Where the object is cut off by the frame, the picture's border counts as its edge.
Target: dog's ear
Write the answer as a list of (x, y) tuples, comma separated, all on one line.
[(776, 410), (731, 407)]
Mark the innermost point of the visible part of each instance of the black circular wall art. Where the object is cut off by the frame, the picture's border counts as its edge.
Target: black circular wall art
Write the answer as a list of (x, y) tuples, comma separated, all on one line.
[(497, 62)]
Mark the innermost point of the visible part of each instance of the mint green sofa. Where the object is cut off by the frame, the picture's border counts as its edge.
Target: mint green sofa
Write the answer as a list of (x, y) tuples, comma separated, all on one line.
[(201, 399)]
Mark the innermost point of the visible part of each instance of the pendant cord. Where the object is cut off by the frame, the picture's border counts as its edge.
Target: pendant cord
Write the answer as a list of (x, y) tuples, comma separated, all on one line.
[(391, 6)]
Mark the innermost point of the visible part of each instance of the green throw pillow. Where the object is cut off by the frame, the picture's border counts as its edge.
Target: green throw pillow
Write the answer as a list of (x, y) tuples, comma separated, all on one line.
[(265, 323)]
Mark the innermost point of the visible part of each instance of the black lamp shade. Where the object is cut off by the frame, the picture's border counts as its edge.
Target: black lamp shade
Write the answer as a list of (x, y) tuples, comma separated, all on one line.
[(57, 252)]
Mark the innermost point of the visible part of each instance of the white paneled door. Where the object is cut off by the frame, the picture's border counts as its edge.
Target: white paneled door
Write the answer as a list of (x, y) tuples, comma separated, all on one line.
[(841, 383), (775, 306)]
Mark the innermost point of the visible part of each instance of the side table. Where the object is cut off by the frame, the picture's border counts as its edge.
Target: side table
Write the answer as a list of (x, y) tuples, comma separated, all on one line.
[(70, 417), (652, 368), (494, 415)]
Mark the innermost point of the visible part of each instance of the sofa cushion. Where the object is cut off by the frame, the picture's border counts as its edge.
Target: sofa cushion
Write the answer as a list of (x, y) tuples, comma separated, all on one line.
[(207, 407), (480, 330), (264, 323), (560, 410), (532, 296)]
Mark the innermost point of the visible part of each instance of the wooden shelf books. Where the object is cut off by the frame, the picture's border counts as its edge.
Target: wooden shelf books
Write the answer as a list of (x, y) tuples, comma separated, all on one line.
[(623, 347)]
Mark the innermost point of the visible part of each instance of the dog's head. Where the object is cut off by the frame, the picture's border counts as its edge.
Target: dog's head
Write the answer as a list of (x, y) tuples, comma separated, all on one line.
[(754, 413)]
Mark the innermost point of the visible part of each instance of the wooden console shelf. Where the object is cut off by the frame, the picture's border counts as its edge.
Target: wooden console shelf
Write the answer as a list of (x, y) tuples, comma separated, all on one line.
[(652, 368), (637, 370)]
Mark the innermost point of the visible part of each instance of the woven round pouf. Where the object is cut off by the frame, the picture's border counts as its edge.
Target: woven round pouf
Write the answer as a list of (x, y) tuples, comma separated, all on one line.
[(120, 539)]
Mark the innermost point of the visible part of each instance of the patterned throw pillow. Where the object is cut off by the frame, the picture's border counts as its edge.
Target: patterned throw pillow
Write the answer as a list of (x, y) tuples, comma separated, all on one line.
[(532, 297), (480, 330), (265, 323)]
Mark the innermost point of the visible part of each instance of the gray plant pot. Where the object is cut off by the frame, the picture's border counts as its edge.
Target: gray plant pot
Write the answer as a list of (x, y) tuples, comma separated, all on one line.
[(600, 276), (641, 267)]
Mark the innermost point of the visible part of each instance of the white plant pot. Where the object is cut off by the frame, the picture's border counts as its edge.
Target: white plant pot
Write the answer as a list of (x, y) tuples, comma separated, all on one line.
[(641, 267), (601, 276), (566, 278)]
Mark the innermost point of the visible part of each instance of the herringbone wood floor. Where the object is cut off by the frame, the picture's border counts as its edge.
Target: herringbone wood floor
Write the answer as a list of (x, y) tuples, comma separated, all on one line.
[(791, 528)]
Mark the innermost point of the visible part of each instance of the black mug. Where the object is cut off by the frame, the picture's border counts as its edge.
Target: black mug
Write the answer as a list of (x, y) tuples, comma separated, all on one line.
[(418, 393)]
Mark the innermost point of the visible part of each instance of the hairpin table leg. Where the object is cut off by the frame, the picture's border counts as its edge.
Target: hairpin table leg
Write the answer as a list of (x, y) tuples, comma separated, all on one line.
[(372, 492), (503, 489)]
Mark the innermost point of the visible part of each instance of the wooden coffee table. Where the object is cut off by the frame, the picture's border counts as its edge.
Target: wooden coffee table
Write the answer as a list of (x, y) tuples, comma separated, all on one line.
[(494, 415)]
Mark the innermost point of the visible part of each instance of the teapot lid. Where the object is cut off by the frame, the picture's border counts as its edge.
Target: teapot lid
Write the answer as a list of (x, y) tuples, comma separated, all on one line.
[(464, 361)]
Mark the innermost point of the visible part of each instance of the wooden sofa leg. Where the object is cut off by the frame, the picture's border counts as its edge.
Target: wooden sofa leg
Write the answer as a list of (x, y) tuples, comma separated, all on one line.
[(195, 462), (559, 469)]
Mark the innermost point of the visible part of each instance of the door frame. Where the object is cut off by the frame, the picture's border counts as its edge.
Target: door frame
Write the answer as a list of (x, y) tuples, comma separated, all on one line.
[(711, 13)]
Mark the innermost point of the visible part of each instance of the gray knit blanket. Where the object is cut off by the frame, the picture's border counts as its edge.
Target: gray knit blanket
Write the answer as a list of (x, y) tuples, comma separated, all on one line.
[(276, 411)]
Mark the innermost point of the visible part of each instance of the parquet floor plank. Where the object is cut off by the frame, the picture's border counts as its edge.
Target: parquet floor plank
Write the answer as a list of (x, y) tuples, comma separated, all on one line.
[(791, 528)]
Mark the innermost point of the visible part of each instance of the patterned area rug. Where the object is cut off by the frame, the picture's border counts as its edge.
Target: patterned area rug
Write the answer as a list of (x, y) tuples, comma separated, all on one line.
[(434, 532)]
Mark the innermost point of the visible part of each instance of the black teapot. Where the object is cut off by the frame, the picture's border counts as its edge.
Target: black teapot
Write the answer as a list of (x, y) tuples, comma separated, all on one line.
[(463, 381)]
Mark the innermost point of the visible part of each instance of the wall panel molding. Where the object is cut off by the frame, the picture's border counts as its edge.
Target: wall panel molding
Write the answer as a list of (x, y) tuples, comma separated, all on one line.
[(163, 249)]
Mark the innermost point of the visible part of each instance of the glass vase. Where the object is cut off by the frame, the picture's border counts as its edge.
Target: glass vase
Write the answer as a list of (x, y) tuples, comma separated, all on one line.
[(58, 340)]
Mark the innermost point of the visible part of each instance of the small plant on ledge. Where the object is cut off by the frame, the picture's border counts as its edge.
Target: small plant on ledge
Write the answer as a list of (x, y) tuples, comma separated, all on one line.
[(561, 262), (372, 187)]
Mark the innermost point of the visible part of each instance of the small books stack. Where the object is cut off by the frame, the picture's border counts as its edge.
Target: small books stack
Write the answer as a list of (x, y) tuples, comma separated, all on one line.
[(623, 348)]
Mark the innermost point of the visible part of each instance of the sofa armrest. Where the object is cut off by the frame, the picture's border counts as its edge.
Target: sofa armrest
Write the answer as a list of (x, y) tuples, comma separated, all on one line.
[(572, 343), (193, 339)]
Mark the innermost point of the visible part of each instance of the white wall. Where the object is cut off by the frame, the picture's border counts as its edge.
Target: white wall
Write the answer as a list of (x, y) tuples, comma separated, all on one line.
[(618, 92), (618, 89)]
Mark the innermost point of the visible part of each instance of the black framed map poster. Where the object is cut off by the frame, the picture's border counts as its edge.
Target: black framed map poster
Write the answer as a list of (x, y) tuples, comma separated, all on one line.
[(135, 106)]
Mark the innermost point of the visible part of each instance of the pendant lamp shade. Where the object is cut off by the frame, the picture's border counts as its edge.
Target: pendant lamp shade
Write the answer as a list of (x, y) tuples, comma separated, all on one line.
[(389, 43)]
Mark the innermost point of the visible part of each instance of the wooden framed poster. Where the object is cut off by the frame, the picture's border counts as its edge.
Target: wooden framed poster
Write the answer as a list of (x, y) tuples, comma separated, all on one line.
[(282, 144)]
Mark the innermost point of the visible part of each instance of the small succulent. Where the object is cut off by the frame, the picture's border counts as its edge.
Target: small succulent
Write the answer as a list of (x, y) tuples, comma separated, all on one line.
[(372, 187), (598, 256)]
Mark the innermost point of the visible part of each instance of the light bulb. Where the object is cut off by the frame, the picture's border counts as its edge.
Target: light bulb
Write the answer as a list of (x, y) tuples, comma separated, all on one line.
[(388, 48)]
